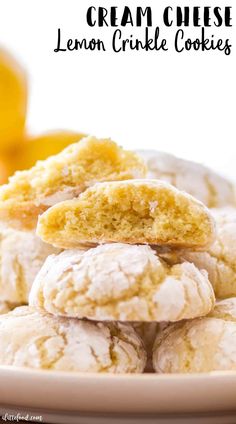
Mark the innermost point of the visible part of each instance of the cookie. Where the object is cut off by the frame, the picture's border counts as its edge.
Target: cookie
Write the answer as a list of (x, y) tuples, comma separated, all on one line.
[(62, 177), (121, 282), (42, 341), (21, 257), (201, 182), (220, 258), (134, 211), (201, 345)]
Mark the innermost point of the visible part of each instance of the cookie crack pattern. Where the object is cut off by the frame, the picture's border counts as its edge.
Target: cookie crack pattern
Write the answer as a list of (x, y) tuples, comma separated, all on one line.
[(222, 256), (102, 368), (187, 303), (221, 270), (191, 351), (40, 344), (223, 261), (199, 291), (138, 288), (117, 335), (84, 290), (21, 284)]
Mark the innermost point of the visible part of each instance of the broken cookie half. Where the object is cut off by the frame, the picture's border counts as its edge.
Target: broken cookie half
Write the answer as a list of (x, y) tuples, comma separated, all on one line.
[(134, 211)]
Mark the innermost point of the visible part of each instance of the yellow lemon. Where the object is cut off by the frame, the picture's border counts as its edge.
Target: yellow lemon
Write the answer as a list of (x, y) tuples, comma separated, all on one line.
[(13, 101), (40, 147)]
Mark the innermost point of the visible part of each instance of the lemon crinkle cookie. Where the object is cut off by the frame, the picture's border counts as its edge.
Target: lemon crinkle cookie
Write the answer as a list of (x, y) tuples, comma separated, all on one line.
[(200, 345), (21, 256), (64, 176), (196, 179), (121, 282), (220, 258), (134, 211), (42, 341)]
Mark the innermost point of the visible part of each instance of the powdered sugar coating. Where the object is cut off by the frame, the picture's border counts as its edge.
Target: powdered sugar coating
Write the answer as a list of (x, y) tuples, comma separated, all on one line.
[(201, 345), (121, 282), (39, 340), (21, 257), (194, 178), (220, 258)]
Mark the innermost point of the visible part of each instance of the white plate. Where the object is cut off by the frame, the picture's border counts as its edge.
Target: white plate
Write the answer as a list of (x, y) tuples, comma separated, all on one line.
[(105, 398)]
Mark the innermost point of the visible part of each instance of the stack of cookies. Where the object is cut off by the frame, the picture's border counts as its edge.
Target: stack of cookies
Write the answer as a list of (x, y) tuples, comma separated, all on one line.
[(130, 251)]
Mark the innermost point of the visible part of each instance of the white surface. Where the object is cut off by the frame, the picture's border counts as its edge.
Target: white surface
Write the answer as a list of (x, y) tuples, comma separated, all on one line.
[(182, 103)]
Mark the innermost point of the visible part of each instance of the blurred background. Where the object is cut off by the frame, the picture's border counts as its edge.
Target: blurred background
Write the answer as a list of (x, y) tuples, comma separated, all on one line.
[(181, 103)]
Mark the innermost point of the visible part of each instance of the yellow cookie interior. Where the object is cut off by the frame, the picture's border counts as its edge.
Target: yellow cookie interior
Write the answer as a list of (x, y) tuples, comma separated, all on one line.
[(138, 211)]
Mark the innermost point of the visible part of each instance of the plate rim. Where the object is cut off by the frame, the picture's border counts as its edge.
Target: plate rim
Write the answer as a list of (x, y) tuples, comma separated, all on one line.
[(17, 371), (72, 391)]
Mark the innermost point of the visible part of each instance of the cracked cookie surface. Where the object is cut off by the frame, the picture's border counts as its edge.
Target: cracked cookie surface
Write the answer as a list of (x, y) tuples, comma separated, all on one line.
[(121, 282), (196, 179), (21, 256), (64, 176), (220, 259), (201, 345), (40, 340), (134, 211)]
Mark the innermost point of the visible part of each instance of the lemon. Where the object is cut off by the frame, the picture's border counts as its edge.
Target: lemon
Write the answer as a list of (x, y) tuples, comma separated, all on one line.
[(13, 101)]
